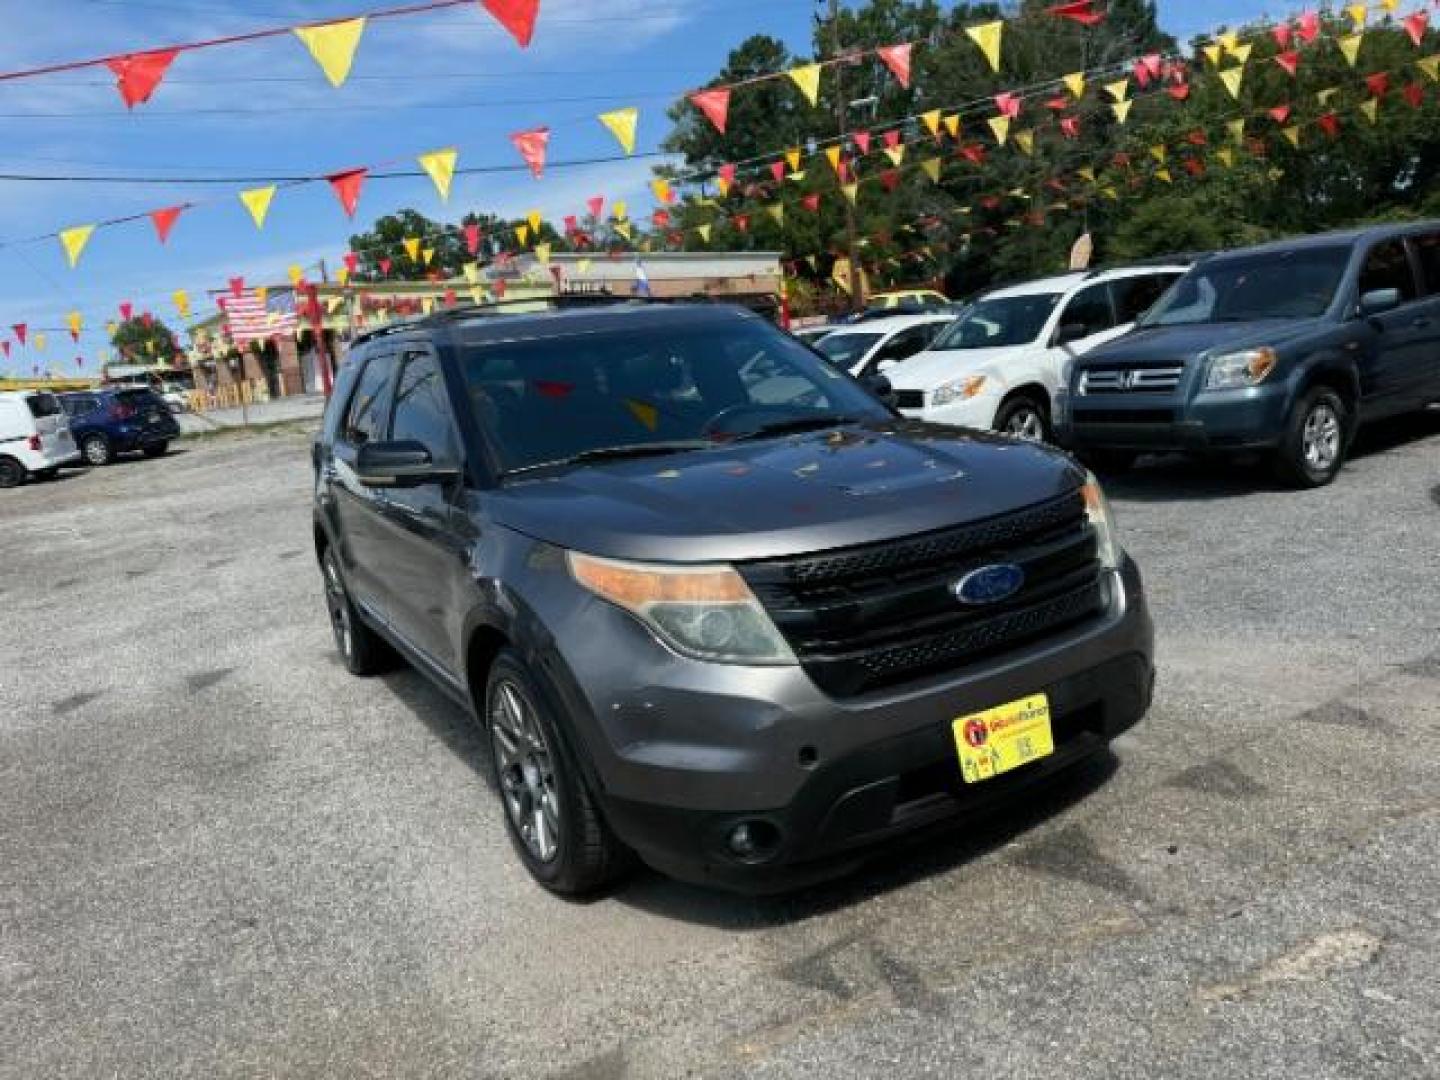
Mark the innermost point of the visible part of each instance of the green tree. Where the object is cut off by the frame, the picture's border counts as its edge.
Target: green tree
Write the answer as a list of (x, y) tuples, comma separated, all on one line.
[(144, 339), (386, 240)]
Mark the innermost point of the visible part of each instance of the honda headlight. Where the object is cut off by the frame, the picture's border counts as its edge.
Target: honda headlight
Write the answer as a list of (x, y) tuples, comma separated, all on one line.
[(706, 612), (1233, 371), (957, 390), (1107, 539)]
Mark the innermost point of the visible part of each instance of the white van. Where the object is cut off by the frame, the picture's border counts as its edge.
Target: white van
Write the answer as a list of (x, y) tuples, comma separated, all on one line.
[(1000, 365), (35, 437)]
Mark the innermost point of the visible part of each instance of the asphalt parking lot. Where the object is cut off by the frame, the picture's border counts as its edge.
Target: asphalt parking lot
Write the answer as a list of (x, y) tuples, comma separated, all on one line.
[(222, 856)]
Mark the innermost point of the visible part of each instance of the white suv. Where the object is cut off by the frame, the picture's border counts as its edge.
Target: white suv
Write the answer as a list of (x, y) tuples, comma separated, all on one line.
[(35, 437), (874, 345), (1000, 366)]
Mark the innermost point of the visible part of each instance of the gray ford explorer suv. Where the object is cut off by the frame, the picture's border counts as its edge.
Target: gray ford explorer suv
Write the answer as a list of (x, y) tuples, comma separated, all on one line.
[(712, 602), (1283, 349)]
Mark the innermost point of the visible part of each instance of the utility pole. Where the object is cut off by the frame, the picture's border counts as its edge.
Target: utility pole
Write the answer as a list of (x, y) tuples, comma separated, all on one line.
[(842, 120)]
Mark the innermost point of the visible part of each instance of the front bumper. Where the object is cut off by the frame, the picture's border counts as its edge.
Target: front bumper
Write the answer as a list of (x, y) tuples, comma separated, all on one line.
[(1249, 419), (977, 412), (680, 759)]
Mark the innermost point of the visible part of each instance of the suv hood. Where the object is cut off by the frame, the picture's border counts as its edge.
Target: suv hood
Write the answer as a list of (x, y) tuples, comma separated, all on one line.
[(928, 370), (785, 496), (1187, 342)]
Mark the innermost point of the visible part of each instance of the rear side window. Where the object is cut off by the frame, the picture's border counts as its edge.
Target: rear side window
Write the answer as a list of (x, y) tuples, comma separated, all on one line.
[(1388, 267), (1134, 296), (81, 406), (365, 419), (422, 412), (1427, 247), (43, 405), (138, 399), (1092, 308)]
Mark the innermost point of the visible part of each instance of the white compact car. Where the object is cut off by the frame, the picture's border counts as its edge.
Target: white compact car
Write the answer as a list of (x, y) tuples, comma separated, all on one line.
[(35, 437), (863, 348), (999, 367)]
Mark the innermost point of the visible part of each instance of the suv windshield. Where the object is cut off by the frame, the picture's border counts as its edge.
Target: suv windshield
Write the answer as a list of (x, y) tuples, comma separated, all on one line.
[(1284, 285), (626, 391), (999, 322)]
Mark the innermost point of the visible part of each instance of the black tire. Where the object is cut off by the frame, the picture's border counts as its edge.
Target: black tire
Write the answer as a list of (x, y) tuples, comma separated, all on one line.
[(154, 450), (1025, 417), (539, 782), (1317, 436), (362, 650), (12, 473), (96, 450), (1108, 462)]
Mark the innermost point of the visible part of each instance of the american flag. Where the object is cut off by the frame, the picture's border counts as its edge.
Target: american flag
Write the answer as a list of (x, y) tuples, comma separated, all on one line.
[(247, 319)]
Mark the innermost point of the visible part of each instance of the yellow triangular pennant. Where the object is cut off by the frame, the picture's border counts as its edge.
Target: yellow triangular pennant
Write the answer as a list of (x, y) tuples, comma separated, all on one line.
[(1242, 52), (1159, 153), (1292, 135), (542, 252), (428, 255), (1086, 173), (439, 165), (471, 270), (776, 211), (623, 228), (931, 120), (1226, 156), (661, 187), (257, 201), (622, 124), (896, 154), (952, 125), (851, 191), (648, 415), (619, 211), (411, 244), (262, 293), (1358, 13), (1118, 90), (1236, 129), (797, 177), (535, 219), (74, 241), (1164, 174), (988, 37), (1213, 53), (1228, 40), (1371, 109), (73, 322), (342, 275), (807, 78), (703, 231), (832, 155), (40, 342), (295, 273), (1232, 78), (1430, 65), (333, 46), (1324, 97), (931, 168), (1121, 109), (522, 234), (1075, 84), (1350, 48), (1025, 140), (1000, 127), (792, 158)]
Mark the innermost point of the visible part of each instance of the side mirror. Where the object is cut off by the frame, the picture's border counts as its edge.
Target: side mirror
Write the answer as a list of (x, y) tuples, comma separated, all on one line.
[(1072, 331), (1379, 301), (879, 386), (399, 465)]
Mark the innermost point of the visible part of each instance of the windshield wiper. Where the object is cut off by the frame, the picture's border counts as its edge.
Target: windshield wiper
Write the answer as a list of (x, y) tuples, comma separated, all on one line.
[(617, 453), (796, 423)]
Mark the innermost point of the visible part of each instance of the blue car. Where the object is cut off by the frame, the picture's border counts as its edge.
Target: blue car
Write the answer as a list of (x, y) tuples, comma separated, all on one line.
[(110, 422)]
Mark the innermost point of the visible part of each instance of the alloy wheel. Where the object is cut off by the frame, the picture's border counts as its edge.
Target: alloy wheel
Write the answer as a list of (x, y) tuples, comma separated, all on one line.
[(1320, 440), (1026, 423), (338, 604), (526, 768)]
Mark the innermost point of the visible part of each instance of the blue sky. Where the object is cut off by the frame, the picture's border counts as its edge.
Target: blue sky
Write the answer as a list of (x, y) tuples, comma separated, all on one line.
[(450, 78)]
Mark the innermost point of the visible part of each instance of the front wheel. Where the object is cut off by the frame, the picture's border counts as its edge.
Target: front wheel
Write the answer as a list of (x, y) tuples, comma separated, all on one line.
[(96, 449), (1024, 418), (1313, 449), (550, 816), (154, 450)]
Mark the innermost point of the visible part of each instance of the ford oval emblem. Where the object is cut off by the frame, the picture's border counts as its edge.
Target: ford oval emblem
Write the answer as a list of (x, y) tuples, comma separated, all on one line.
[(990, 584)]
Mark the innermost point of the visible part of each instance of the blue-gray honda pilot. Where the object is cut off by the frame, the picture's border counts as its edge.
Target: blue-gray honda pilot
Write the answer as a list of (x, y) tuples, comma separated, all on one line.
[(1285, 349), (712, 602)]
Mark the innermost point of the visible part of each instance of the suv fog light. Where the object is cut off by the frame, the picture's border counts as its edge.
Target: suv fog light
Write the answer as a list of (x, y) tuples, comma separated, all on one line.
[(753, 841)]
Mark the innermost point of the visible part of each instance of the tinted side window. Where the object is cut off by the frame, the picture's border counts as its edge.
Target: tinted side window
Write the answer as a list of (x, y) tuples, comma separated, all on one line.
[(422, 412), (1136, 295), (365, 419), (1388, 267), (1092, 307), (1428, 248)]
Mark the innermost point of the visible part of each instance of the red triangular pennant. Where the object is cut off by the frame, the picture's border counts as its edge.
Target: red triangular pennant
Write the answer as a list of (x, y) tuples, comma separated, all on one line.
[(596, 206), (1290, 61), (472, 239), (1080, 11), (237, 287), (1280, 113), (811, 203), (727, 176), (165, 221), (892, 139), (715, 104), (1070, 126), (862, 141), (532, 145), (1414, 94), (1008, 104), (1378, 84), (138, 74), (891, 179), (742, 222), (127, 309), (897, 59), (517, 16), (1330, 124), (1416, 25), (21, 329), (777, 170), (1180, 91), (347, 187), (385, 265), (1282, 35), (351, 261), (1309, 27)]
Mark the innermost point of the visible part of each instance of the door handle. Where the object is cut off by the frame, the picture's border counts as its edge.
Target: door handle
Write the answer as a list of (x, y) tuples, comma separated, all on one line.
[(1420, 322)]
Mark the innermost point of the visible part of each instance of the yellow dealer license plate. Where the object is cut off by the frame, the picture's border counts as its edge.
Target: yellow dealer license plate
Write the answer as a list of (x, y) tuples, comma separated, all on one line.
[(1004, 738)]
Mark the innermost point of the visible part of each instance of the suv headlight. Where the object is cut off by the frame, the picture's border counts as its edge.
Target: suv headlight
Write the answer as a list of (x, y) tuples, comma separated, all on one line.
[(957, 390), (1248, 367), (1097, 508), (707, 612)]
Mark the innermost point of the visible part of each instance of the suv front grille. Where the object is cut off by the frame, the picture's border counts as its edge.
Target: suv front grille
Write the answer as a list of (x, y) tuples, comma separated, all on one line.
[(886, 613), (910, 399), (1133, 380)]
